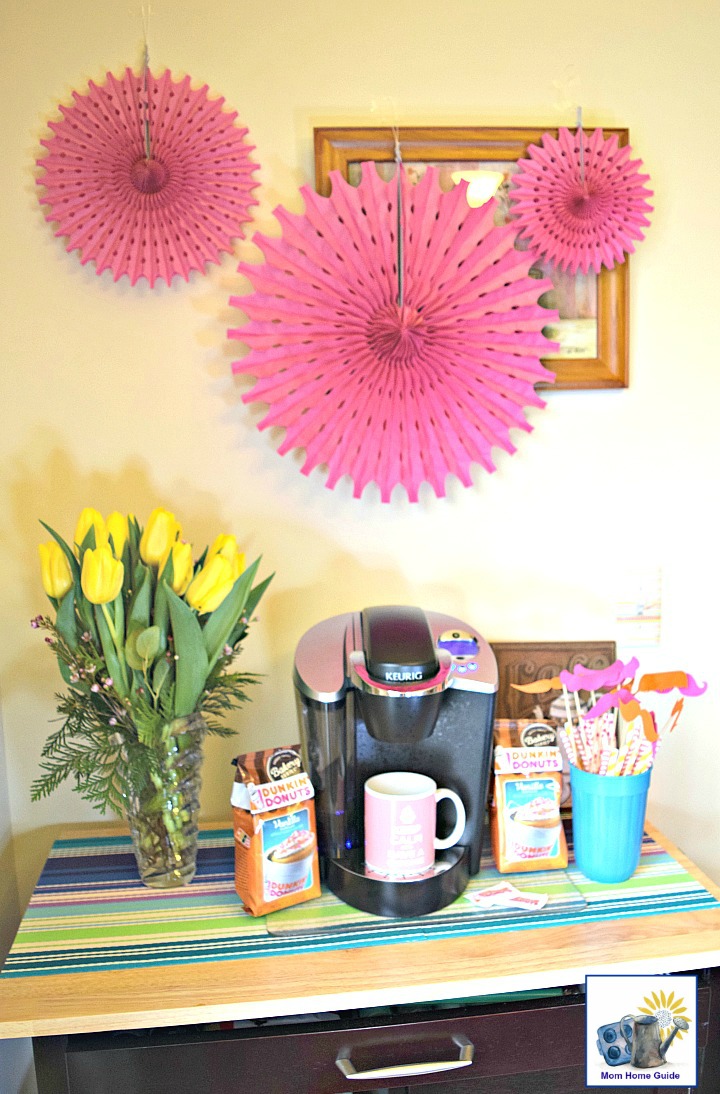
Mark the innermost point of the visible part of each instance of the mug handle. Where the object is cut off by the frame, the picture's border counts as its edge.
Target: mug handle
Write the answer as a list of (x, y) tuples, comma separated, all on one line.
[(455, 835), (627, 1024)]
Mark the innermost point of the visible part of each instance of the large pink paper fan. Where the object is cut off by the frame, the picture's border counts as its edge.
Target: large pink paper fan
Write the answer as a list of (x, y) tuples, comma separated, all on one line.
[(580, 201), (147, 177), (387, 380)]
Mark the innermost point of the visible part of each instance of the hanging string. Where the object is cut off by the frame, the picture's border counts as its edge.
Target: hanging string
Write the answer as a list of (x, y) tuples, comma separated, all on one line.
[(399, 224), (582, 146), (145, 16)]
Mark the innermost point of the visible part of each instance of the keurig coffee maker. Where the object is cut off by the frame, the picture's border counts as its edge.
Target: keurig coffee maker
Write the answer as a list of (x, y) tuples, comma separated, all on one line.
[(395, 689)]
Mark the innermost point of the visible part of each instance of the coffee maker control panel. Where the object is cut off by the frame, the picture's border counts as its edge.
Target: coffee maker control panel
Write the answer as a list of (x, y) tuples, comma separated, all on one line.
[(459, 643), (330, 654)]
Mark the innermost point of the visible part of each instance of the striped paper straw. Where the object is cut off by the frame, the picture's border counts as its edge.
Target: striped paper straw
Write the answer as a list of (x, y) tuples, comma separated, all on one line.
[(644, 759), (633, 743), (617, 758), (570, 743)]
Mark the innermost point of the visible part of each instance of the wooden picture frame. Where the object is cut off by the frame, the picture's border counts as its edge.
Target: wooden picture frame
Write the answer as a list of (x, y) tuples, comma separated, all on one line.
[(344, 148), (525, 662)]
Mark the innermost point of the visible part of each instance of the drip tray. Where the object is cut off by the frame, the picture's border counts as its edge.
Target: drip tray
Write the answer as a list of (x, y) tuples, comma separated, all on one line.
[(358, 886)]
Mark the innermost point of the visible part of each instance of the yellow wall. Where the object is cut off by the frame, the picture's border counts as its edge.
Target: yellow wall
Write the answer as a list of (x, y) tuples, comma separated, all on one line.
[(122, 397)]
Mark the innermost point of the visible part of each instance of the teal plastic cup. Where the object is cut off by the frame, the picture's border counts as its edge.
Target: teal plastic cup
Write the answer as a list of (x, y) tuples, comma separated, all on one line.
[(608, 817)]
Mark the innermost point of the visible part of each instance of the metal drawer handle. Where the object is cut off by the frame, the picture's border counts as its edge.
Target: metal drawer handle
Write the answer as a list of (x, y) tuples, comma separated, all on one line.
[(397, 1071)]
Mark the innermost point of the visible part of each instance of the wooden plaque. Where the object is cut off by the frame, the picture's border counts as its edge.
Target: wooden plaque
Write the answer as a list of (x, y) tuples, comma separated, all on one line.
[(524, 662)]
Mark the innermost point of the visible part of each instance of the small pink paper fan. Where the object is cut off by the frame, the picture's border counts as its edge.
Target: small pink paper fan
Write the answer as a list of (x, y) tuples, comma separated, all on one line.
[(157, 215), (385, 385), (580, 201)]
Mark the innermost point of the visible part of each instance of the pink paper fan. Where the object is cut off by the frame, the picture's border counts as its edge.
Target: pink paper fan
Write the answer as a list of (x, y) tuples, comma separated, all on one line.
[(580, 201), (156, 216), (380, 390)]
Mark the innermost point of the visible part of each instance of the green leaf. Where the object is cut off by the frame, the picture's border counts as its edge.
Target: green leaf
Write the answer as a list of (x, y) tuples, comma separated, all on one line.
[(222, 621), (161, 673), (250, 605), (132, 656), (89, 543), (161, 612), (64, 671), (141, 648), (85, 611), (191, 666), (255, 594), (168, 570), (115, 668), (66, 621), (118, 611), (139, 610), (137, 687), (147, 643), (134, 536), (126, 559)]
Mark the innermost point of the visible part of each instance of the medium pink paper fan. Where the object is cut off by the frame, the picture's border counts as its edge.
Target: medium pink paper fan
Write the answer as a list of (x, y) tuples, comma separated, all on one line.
[(386, 391), (157, 216), (580, 201)]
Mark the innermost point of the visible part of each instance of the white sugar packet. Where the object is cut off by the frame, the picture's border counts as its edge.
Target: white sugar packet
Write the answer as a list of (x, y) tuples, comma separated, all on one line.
[(505, 895)]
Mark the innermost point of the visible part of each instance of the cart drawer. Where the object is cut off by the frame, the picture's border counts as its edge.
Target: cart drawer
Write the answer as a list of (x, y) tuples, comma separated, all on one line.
[(346, 1057)]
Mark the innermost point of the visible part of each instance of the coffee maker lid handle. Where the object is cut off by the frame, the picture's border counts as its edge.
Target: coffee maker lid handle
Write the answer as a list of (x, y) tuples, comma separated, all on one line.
[(397, 640)]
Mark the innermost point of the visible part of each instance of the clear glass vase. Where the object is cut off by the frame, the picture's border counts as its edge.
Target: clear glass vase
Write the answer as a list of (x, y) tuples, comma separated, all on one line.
[(163, 812)]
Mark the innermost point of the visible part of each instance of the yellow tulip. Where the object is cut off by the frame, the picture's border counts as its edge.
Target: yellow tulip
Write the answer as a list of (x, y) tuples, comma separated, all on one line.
[(117, 527), (102, 575), (182, 561), (211, 585), (225, 546), (238, 565), (228, 548), (161, 531), (90, 518), (54, 570)]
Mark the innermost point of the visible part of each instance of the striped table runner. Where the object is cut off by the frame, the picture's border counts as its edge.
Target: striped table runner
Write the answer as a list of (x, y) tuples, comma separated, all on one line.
[(90, 912)]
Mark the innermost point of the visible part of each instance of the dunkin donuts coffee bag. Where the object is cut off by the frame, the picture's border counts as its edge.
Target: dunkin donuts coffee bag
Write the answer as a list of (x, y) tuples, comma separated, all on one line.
[(526, 831), (276, 858)]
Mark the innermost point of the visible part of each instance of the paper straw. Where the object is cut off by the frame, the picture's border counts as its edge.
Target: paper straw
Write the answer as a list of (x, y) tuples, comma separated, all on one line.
[(594, 744), (584, 735), (566, 697), (585, 745), (615, 762), (643, 764), (604, 761), (645, 758), (633, 743), (568, 738), (604, 733)]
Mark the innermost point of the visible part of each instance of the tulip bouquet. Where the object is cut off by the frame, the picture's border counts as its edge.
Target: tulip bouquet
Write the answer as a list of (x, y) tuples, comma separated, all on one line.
[(145, 635)]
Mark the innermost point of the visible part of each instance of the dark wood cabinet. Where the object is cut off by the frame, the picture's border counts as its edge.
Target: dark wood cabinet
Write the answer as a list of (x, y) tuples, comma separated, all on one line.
[(522, 1047)]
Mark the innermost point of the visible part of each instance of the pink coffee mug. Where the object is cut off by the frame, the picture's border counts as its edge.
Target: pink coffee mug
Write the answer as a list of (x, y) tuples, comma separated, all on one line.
[(400, 819)]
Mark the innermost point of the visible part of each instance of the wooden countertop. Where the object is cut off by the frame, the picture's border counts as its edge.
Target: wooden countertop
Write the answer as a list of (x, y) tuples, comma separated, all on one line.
[(368, 976)]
